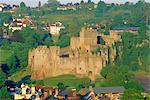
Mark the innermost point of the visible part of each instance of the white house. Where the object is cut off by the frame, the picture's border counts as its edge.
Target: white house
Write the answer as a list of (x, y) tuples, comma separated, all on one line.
[(14, 28), (1, 9), (55, 28)]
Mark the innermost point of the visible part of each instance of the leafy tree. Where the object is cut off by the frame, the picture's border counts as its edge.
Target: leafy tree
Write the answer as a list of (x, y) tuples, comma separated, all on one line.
[(132, 94), (48, 41), (89, 1), (82, 1), (80, 86), (2, 77), (4, 93), (22, 5), (39, 5), (61, 86), (5, 17), (53, 3), (116, 75), (101, 8), (1, 32), (132, 84), (64, 41)]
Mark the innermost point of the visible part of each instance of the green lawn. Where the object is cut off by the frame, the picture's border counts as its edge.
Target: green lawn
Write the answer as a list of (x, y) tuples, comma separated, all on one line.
[(68, 80)]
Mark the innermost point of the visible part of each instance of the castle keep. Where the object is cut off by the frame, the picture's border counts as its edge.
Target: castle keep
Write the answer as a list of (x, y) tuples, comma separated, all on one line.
[(84, 57)]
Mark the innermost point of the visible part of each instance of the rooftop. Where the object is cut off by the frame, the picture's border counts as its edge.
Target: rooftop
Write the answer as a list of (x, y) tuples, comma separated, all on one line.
[(128, 28)]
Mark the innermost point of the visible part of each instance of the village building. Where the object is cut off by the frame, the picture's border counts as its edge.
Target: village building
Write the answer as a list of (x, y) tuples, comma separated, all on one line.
[(102, 93), (55, 28), (128, 29), (5, 33), (69, 94), (66, 7), (1, 9), (19, 23)]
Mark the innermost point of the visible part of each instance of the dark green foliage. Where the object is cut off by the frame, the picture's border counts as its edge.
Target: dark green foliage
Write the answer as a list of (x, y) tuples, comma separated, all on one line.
[(53, 3), (61, 86), (82, 1), (22, 5), (106, 33), (2, 77), (5, 17), (132, 94), (39, 82), (89, 1), (4, 95), (101, 8), (120, 76), (80, 86), (134, 47), (116, 75), (26, 80), (39, 5), (132, 84)]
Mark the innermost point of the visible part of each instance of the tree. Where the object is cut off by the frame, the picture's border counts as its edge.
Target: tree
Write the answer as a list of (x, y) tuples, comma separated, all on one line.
[(53, 3), (132, 84), (82, 1), (116, 75), (132, 94), (39, 5), (22, 5), (61, 86), (2, 77), (48, 41), (4, 95), (89, 1), (5, 17)]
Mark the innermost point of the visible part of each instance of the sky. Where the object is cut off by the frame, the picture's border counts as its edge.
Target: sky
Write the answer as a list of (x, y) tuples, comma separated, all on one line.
[(34, 3)]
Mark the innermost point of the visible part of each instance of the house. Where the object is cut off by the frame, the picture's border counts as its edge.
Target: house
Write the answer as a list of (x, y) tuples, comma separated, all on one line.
[(19, 23), (5, 33), (66, 8), (128, 29), (113, 93), (55, 28), (14, 28), (102, 93), (15, 6), (4, 6), (1, 9), (69, 94)]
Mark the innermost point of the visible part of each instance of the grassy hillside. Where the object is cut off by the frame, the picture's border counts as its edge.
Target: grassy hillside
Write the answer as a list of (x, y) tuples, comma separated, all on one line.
[(5, 55), (19, 75)]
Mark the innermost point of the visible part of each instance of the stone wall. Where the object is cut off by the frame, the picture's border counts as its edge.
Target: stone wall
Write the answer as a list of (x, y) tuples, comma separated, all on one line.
[(45, 63)]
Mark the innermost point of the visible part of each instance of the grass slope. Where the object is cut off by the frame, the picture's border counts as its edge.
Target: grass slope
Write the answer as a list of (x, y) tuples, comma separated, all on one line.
[(5, 55)]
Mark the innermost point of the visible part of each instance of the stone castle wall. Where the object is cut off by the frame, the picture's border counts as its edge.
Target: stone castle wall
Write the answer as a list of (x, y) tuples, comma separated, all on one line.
[(76, 59), (46, 64)]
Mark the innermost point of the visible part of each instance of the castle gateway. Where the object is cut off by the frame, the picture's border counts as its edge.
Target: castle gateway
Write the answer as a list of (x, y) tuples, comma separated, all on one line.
[(82, 58)]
